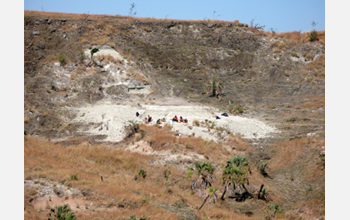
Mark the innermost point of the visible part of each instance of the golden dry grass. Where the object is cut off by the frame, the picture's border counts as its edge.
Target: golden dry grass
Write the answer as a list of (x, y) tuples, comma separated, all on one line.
[(44, 159), (164, 139), (300, 159)]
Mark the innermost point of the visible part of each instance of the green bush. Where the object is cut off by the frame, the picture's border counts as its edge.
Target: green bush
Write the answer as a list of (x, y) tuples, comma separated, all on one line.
[(62, 213), (262, 168), (143, 134), (26, 20), (74, 177), (62, 59), (143, 174), (133, 217), (312, 35), (239, 109), (275, 208)]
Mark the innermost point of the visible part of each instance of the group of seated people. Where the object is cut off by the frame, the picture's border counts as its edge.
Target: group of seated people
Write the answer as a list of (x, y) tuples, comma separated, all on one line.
[(181, 119), (160, 120), (149, 119)]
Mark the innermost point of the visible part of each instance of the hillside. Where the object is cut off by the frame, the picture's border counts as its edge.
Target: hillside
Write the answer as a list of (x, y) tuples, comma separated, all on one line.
[(79, 117)]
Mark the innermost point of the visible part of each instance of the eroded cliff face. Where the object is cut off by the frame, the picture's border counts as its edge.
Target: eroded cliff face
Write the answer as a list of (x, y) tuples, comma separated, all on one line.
[(273, 77)]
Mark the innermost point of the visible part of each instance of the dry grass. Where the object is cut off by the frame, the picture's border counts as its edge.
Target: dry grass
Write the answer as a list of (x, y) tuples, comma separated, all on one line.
[(44, 159), (316, 69), (315, 102), (295, 38), (299, 175), (238, 143), (137, 75), (290, 152), (165, 139), (123, 19)]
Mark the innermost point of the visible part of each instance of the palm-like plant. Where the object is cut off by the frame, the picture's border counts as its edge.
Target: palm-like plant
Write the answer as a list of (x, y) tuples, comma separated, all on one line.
[(205, 173), (212, 193), (236, 171), (214, 88)]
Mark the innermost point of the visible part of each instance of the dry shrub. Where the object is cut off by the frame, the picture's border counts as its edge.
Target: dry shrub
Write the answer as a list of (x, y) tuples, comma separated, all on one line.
[(195, 122), (80, 70), (277, 46), (294, 38), (321, 36), (315, 102), (309, 57), (164, 138), (136, 75), (107, 59), (238, 143), (159, 138), (299, 150), (316, 67)]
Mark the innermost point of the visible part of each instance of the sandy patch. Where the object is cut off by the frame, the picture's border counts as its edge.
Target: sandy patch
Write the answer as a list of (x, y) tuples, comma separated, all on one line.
[(113, 119)]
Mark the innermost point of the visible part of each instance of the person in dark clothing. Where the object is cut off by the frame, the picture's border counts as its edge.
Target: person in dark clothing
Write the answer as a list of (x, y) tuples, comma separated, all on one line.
[(137, 114), (175, 119), (158, 121)]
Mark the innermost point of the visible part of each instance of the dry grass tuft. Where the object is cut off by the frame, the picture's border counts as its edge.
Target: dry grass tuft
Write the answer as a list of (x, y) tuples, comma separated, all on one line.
[(315, 102), (238, 143), (137, 75), (316, 69)]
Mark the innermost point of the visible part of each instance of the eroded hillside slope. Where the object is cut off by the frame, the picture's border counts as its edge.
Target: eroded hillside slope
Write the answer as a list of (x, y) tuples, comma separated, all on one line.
[(83, 105)]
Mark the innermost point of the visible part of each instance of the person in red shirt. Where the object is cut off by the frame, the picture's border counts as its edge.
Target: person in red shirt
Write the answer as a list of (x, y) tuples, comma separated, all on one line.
[(175, 119)]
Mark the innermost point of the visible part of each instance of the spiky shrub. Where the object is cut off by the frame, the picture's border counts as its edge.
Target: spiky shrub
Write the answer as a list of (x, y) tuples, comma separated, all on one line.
[(62, 213), (166, 175), (262, 169), (74, 177), (275, 208), (61, 59), (214, 88), (143, 174), (132, 128), (264, 192), (133, 217), (238, 109), (312, 35)]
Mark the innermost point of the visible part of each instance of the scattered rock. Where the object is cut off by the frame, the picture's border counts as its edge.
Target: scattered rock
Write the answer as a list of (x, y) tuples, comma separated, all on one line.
[(210, 25), (36, 32)]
